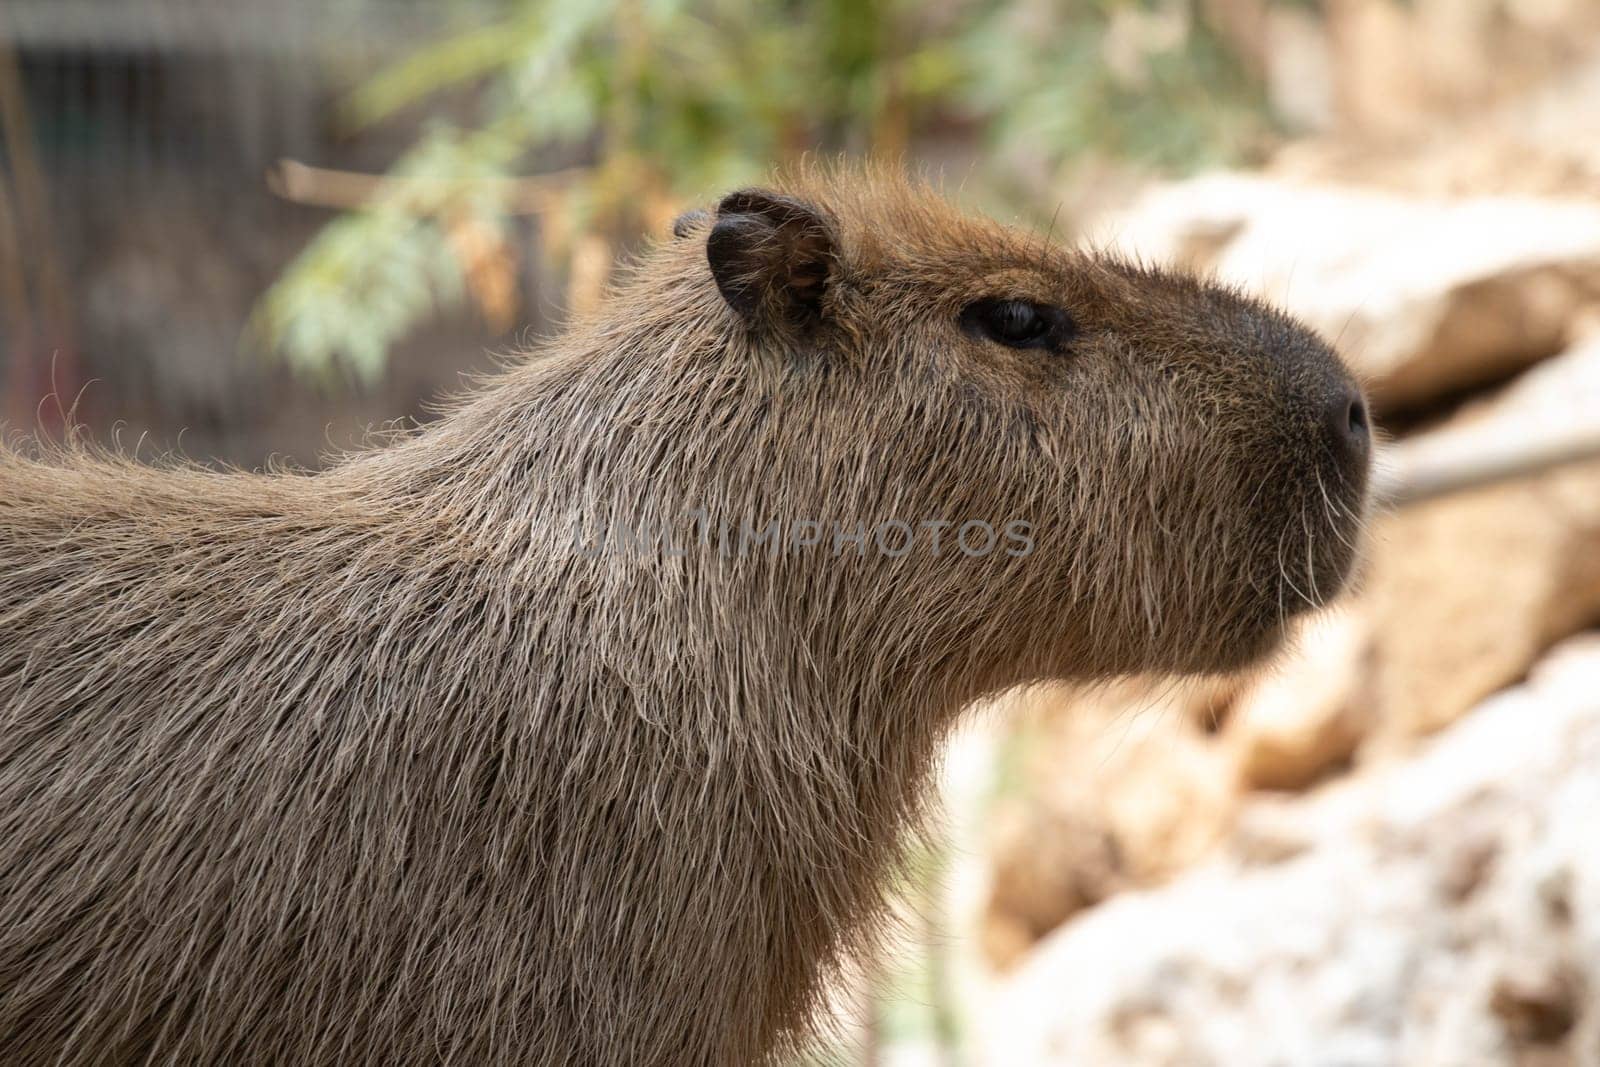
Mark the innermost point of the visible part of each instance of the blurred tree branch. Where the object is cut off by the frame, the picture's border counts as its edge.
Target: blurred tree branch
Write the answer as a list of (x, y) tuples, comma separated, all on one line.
[(347, 190), (1479, 454)]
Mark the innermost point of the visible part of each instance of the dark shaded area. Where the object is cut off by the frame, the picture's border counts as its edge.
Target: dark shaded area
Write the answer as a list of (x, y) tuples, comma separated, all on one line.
[(158, 233)]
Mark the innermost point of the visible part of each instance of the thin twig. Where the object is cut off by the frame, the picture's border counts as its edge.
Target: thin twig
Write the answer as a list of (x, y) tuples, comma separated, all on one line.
[(1496, 450), (347, 190)]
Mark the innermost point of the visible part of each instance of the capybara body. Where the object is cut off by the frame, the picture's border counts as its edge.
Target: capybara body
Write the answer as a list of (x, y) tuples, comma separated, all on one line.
[(582, 726)]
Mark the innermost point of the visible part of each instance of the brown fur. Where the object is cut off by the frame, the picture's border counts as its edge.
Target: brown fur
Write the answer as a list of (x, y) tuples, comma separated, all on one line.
[(371, 766)]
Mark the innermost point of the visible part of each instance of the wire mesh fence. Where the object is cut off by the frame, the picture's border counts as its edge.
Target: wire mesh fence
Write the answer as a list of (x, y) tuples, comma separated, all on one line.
[(136, 224)]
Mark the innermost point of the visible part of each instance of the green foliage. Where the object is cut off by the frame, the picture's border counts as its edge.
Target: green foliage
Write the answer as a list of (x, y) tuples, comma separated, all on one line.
[(672, 99), (370, 275), (1151, 83)]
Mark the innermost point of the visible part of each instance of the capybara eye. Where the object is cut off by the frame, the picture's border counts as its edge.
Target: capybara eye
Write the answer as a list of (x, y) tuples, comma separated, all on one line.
[(1014, 323)]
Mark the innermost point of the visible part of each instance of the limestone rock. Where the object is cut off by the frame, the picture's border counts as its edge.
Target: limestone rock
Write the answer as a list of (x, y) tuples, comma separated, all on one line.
[(1441, 910), (1052, 863), (1311, 712), (1424, 297), (1118, 787), (1467, 590)]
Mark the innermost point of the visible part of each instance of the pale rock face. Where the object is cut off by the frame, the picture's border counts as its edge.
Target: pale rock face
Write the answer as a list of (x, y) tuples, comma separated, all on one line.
[(1465, 591), (1122, 787), (1309, 715), (1421, 296), (1440, 910)]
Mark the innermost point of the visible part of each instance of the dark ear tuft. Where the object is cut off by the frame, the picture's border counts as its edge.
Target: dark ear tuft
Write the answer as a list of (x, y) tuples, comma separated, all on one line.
[(771, 255), (684, 224)]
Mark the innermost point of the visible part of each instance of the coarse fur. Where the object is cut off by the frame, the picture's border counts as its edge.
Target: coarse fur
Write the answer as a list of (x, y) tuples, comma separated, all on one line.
[(406, 762)]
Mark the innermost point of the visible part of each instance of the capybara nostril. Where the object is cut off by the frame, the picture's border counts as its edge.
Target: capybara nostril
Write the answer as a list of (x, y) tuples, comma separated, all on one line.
[(1356, 418), (1349, 430)]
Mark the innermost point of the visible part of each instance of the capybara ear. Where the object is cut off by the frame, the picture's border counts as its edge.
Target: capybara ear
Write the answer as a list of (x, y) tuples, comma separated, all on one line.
[(771, 255)]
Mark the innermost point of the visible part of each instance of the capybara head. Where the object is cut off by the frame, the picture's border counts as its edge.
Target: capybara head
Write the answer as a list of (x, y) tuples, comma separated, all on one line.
[(1061, 463)]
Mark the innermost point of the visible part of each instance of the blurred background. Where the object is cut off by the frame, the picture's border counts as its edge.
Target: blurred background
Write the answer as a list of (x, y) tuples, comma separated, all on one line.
[(239, 229)]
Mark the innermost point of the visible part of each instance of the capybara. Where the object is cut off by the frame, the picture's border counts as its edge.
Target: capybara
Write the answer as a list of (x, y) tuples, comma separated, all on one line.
[(583, 725)]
